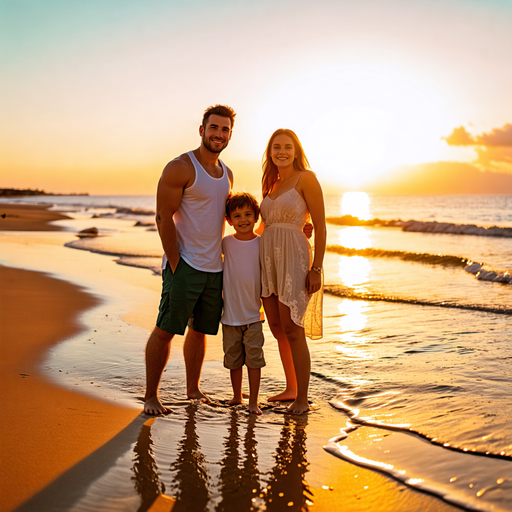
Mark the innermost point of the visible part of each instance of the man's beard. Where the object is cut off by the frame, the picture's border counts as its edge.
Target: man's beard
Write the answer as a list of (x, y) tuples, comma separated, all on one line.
[(208, 146)]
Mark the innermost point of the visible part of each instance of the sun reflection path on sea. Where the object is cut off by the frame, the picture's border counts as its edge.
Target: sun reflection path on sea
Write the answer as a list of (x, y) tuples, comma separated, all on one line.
[(354, 237), (354, 272), (352, 320), (353, 317), (356, 204)]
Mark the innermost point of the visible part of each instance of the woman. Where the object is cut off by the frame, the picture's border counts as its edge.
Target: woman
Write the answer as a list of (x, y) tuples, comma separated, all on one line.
[(290, 276)]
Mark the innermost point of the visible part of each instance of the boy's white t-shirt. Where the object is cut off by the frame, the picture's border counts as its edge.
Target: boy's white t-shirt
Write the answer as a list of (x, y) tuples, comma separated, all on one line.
[(241, 284)]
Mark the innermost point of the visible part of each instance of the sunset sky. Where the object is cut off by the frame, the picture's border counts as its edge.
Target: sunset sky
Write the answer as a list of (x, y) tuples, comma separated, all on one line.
[(98, 96)]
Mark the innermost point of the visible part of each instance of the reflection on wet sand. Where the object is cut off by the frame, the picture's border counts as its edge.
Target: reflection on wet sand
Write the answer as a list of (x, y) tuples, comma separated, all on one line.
[(191, 479), (146, 475), (195, 483), (287, 487), (239, 483)]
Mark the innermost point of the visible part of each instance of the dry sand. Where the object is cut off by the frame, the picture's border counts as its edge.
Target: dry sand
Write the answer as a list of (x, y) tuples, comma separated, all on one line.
[(54, 440), (46, 429)]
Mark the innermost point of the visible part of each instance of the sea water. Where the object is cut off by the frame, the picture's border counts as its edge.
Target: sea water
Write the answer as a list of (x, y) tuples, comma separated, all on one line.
[(417, 340)]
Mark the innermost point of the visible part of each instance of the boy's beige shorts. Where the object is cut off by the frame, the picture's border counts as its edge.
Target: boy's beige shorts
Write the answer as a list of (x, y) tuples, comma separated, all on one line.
[(243, 344)]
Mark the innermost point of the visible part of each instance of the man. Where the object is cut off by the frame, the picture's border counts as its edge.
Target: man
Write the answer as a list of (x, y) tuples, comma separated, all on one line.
[(190, 212)]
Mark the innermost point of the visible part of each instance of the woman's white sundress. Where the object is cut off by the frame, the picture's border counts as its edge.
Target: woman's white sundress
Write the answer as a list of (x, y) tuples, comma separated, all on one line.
[(286, 257)]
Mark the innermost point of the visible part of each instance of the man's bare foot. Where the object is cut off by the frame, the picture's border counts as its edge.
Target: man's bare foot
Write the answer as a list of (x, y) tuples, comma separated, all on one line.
[(199, 395), (254, 409), (154, 407), (235, 401), (286, 395), (298, 407)]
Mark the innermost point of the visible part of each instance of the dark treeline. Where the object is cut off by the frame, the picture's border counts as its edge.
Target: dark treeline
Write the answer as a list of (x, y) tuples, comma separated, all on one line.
[(14, 192)]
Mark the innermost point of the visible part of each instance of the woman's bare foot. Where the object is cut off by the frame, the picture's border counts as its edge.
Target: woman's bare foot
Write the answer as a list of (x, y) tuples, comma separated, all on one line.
[(254, 409), (298, 407), (235, 401), (154, 407), (286, 395)]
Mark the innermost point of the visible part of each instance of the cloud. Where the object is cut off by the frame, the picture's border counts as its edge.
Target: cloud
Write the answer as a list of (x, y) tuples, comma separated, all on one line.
[(499, 137), (495, 159), (487, 155), (459, 137), (494, 149)]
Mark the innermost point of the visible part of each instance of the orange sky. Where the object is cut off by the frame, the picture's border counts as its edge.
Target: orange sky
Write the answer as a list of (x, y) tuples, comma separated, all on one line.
[(98, 96)]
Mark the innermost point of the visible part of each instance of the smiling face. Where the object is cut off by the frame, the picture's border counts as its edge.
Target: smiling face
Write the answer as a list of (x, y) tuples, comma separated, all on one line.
[(282, 151), (216, 134), (243, 221)]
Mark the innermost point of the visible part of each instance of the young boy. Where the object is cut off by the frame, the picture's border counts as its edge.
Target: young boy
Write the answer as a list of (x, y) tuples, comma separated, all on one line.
[(242, 317)]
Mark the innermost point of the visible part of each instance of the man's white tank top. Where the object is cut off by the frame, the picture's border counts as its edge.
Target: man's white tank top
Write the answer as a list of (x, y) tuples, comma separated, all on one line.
[(200, 219)]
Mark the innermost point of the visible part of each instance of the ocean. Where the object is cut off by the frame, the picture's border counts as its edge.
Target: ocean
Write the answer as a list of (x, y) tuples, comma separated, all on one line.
[(417, 344)]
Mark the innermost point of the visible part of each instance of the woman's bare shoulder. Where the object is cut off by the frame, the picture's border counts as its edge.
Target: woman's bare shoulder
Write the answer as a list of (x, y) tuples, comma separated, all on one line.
[(308, 178)]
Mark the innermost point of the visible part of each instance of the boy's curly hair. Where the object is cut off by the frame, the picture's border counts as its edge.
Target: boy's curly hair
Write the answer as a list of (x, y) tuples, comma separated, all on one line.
[(243, 200)]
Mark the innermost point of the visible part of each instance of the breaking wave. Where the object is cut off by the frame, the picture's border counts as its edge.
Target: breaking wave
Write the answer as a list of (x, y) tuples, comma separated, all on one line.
[(433, 259), (492, 275), (425, 227), (349, 293)]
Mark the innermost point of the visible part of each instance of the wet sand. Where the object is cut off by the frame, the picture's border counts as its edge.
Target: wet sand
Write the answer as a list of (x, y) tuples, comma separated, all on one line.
[(29, 217), (59, 447)]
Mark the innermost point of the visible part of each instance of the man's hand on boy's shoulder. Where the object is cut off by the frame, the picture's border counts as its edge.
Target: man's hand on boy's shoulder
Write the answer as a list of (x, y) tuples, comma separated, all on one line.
[(308, 229)]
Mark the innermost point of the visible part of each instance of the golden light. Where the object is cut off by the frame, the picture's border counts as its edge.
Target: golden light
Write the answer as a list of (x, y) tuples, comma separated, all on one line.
[(358, 121), (352, 140), (356, 204), (354, 271), (354, 237), (366, 462), (353, 318)]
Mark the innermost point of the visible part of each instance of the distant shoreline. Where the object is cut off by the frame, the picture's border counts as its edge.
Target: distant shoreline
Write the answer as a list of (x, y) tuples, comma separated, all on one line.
[(16, 192)]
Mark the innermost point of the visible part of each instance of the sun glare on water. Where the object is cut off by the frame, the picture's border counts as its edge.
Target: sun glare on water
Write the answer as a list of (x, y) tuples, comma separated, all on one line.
[(352, 315), (354, 237), (354, 272), (352, 320), (356, 204)]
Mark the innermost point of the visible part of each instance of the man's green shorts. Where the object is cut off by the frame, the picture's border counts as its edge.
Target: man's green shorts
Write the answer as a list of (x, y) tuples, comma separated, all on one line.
[(190, 297)]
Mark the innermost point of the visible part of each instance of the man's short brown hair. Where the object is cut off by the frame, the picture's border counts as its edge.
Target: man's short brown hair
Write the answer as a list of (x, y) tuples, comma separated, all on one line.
[(243, 200), (219, 110)]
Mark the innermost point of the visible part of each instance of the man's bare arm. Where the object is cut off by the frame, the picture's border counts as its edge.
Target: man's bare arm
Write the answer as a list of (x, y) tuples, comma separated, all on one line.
[(176, 176)]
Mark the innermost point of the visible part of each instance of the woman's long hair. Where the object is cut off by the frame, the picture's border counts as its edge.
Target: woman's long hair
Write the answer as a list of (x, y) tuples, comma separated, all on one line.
[(270, 174)]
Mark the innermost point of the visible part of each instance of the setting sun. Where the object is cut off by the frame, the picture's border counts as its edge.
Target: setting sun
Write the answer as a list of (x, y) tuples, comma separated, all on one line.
[(352, 141), (358, 121)]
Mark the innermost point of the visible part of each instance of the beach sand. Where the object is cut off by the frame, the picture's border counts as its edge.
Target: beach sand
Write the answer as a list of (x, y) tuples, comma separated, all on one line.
[(46, 429), (60, 446), (33, 217)]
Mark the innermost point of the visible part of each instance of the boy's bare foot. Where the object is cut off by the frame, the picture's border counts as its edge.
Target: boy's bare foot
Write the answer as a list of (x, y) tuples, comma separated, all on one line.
[(154, 407), (286, 395), (298, 407), (235, 401), (199, 395), (254, 409)]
